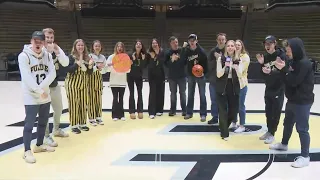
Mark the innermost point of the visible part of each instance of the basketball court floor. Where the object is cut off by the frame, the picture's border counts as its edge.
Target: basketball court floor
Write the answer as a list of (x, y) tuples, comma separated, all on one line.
[(163, 148)]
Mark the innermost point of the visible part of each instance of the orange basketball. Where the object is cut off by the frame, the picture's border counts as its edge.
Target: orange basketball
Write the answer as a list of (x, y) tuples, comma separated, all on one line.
[(197, 70), (121, 63)]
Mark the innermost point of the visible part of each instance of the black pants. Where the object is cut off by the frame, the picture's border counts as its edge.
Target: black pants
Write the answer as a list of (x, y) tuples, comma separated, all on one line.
[(156, 95), (139, 83), (117, 104), (228, 105), (273, 108)]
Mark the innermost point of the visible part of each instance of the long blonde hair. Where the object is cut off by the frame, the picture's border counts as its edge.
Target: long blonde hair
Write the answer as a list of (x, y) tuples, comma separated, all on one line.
[(243, 48), (75, 53), (115, 47), (235, 56)]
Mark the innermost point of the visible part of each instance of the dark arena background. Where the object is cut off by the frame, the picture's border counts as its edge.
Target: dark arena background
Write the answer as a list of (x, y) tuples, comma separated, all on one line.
[(126, 20)]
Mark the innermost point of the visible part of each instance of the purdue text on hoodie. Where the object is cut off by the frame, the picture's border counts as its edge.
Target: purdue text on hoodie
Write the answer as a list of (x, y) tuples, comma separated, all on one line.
[(299, 79), (197, 56), (37, 73), (274, 81)]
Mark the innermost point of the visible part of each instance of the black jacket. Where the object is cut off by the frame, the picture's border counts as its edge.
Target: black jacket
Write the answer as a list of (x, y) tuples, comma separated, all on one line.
[(221, 83), (137, 65), (197, 56), (212, 64), (275, 80), (299, 81), (156, 66), (176, 68)]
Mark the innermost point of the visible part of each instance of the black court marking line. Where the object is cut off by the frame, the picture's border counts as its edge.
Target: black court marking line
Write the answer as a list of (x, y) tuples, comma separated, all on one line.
[(209, 128), (207, 164)]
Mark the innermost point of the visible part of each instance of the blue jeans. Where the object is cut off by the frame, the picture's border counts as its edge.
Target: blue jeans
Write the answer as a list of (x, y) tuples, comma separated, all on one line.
[(174, 84), (31, 116), (299, 115), (242, 106), (214, 105), (192, 81)]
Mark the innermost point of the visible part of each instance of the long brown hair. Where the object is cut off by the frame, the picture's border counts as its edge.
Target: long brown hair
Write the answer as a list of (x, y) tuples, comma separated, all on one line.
[(75, 53), (115, 47)]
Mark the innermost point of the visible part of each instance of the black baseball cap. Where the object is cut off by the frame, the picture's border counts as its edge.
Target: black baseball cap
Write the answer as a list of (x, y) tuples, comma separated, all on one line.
[(38, 35), (193, 36), (270, 39)]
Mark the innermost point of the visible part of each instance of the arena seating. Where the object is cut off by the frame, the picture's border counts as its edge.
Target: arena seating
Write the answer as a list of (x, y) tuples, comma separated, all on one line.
[(286, 25), (110, 31)]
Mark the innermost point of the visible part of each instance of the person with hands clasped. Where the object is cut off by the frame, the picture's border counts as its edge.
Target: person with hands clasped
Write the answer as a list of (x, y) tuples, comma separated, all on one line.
[(138, 59), (274, 92), (37, 73), (175, 62), (299, 87), (195, 55), (228, 87), (95, 82), (76, 84)]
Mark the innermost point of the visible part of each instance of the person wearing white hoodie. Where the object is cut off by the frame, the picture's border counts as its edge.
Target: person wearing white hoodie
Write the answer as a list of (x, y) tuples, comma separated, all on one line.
[(37, 73), (59, 59)]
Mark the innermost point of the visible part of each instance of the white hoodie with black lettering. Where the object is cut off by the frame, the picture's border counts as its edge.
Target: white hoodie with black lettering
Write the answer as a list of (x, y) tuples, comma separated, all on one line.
[(37, 73)]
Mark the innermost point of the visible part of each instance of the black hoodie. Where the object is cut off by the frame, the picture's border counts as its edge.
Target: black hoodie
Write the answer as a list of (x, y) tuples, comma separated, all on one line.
[(197, 56), (274, 81), (212, 64), (176, 68), (300, 79)]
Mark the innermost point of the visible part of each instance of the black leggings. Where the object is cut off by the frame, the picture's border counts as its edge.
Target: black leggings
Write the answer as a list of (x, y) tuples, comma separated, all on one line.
[(117, 105), (132, 104), (156, 95)]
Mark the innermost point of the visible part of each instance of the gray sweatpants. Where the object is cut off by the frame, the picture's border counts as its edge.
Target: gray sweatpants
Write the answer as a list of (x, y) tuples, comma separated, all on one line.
[(56, 103)]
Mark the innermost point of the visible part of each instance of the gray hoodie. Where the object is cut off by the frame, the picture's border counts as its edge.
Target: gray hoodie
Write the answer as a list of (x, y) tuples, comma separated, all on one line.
[(37, 73)]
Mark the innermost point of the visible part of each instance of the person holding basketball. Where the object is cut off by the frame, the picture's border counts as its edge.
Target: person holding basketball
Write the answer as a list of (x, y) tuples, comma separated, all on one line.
[(228, 87), (196, 56), (117, 81), (156, 77), (76, 83), (138, 59), (96, 84)]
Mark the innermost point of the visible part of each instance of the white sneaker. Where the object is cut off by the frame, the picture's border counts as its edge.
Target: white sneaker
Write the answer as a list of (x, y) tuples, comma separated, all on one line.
[(123, 118), (240, 129), (99, 121), (151, 116), (278, 147), (159, 114), (93, 122), (115, 119), (43, 148), (300, 162), (50, 142), (269, 139), (28, 157), (233, 126), (60, 133), (264, 136), (226, 138)]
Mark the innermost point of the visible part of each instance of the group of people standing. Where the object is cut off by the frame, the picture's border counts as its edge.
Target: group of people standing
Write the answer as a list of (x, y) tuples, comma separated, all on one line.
[(286, 71)]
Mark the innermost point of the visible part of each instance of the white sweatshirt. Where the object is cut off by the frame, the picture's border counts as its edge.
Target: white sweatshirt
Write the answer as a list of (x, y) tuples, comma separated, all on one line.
[(116, 79), (99, 59), (37, 73)]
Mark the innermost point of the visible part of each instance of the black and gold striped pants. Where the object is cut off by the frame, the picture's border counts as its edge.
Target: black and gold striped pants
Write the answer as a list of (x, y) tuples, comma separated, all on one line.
[(95, 95)]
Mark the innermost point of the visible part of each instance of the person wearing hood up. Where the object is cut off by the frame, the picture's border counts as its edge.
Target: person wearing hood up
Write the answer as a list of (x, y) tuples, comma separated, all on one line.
[(37, 73), (299, 85), (194, 55)]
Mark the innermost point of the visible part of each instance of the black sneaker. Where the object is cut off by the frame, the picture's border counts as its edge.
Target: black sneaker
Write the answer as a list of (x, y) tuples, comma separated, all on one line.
[(76, 130), (172, 113), (184, 114), (213, 121), (84, 128)]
